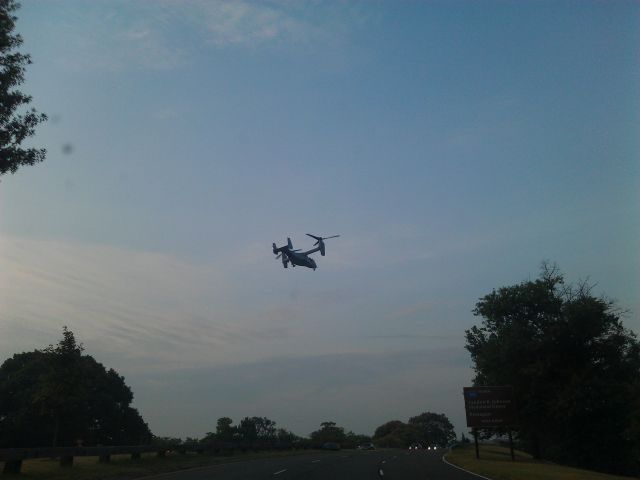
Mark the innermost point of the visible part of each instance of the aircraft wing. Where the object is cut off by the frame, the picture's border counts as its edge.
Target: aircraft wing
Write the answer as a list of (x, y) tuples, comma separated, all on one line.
[(313, 250)]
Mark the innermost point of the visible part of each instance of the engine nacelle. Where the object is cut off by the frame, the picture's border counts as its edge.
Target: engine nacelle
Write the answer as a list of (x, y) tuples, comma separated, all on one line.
[(275, 249), (321, 246)]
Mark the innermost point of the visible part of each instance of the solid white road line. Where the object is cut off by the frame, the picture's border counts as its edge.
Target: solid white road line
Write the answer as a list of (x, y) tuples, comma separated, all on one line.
[(460, 468), (280, 471), (315, 461)]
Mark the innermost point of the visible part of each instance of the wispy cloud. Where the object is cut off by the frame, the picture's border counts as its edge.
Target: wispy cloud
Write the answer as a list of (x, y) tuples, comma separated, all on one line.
[(134, 307), (178, 329), (165, 35), (114, 37), (243, 23), (411, 310)]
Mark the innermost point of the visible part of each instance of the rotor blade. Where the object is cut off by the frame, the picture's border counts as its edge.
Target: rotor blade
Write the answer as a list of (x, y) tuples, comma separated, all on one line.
[(333, 236), (313, 236), (278, 256)]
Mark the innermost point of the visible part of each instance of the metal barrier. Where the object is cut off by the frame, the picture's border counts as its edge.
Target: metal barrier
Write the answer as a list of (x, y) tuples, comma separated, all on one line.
[(13, 457)]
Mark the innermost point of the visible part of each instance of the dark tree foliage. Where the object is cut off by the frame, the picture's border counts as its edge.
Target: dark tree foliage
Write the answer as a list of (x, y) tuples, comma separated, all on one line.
[(328, 432), (224, 430), (256, 429), (388, 428), (60, 397), (352, 440), (284, 436), (168, 441), (574, 368), (15, 127), (429, 429), (395, 434), (250, 430), (434, 429)]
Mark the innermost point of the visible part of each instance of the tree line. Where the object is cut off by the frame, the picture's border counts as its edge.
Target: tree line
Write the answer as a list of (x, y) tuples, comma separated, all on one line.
[(427, 428), (60, 396)]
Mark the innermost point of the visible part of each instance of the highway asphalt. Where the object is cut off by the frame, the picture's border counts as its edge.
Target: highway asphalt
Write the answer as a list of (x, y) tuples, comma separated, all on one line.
[(342, 465)]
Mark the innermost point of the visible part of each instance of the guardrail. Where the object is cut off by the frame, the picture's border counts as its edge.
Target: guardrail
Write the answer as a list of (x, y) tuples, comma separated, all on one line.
[(13, 457)]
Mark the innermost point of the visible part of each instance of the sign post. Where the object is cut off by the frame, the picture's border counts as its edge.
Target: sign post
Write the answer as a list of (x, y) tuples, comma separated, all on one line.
[(475, 441), (489, 407), (513, 457)]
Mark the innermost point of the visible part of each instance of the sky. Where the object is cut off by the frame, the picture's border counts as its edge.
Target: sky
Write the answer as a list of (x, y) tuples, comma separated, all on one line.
[(454, 146)]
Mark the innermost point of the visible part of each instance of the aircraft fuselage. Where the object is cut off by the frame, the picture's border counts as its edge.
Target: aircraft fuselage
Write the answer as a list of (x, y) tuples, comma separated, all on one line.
[(301, 260)]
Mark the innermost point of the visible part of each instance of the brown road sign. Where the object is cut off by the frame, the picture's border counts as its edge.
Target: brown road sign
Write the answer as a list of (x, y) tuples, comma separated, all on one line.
[(489, 406)]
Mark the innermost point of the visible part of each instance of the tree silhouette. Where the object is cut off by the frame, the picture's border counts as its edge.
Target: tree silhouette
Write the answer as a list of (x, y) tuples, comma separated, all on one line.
[(15, 127), (329, 432), (58, 396), (574, 369)]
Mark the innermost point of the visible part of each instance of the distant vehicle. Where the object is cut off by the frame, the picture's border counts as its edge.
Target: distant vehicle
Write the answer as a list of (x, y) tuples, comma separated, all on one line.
[(366, 446), (415, 446), (331, 446), (295, 257), (435, 447)]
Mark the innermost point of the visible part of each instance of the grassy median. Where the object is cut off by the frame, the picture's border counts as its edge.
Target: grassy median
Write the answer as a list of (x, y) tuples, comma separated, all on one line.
[(122, 467), (495, 463)]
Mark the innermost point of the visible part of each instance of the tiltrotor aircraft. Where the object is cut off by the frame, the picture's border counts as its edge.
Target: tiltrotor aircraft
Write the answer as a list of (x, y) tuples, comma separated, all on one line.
[(296, 257)]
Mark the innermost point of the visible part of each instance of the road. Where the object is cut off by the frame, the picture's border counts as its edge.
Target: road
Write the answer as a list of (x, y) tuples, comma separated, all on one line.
[(343, 465)]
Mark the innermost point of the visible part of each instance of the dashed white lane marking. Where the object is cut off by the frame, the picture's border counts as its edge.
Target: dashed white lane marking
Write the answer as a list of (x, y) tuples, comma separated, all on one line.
[(381, 472), (384, 461), (315, 461), (459, 468), (280, 471)]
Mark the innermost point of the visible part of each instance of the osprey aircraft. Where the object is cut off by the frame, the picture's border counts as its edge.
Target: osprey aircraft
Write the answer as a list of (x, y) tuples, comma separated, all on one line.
[(296, 257)]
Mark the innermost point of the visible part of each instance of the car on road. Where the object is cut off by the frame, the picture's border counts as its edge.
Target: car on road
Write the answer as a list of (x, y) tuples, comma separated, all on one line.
[(415, 446), (366, 446), (331, 446)]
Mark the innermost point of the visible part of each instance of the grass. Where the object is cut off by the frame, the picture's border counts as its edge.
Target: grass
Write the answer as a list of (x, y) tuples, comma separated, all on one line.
[(122, 467), (495, 463)]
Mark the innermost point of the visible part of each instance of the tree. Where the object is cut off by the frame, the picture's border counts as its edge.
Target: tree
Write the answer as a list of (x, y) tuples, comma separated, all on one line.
[(58, 396), (574, 368), (433, 428), (166, 441), (352, 440), (224, 430), (427, 428), (328, 432), (388, 428), (256, 429), (395, 434), (15, 127), (285, 436)]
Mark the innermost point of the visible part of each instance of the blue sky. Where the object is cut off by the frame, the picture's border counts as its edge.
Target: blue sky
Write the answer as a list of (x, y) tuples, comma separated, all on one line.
[(453, 145)]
